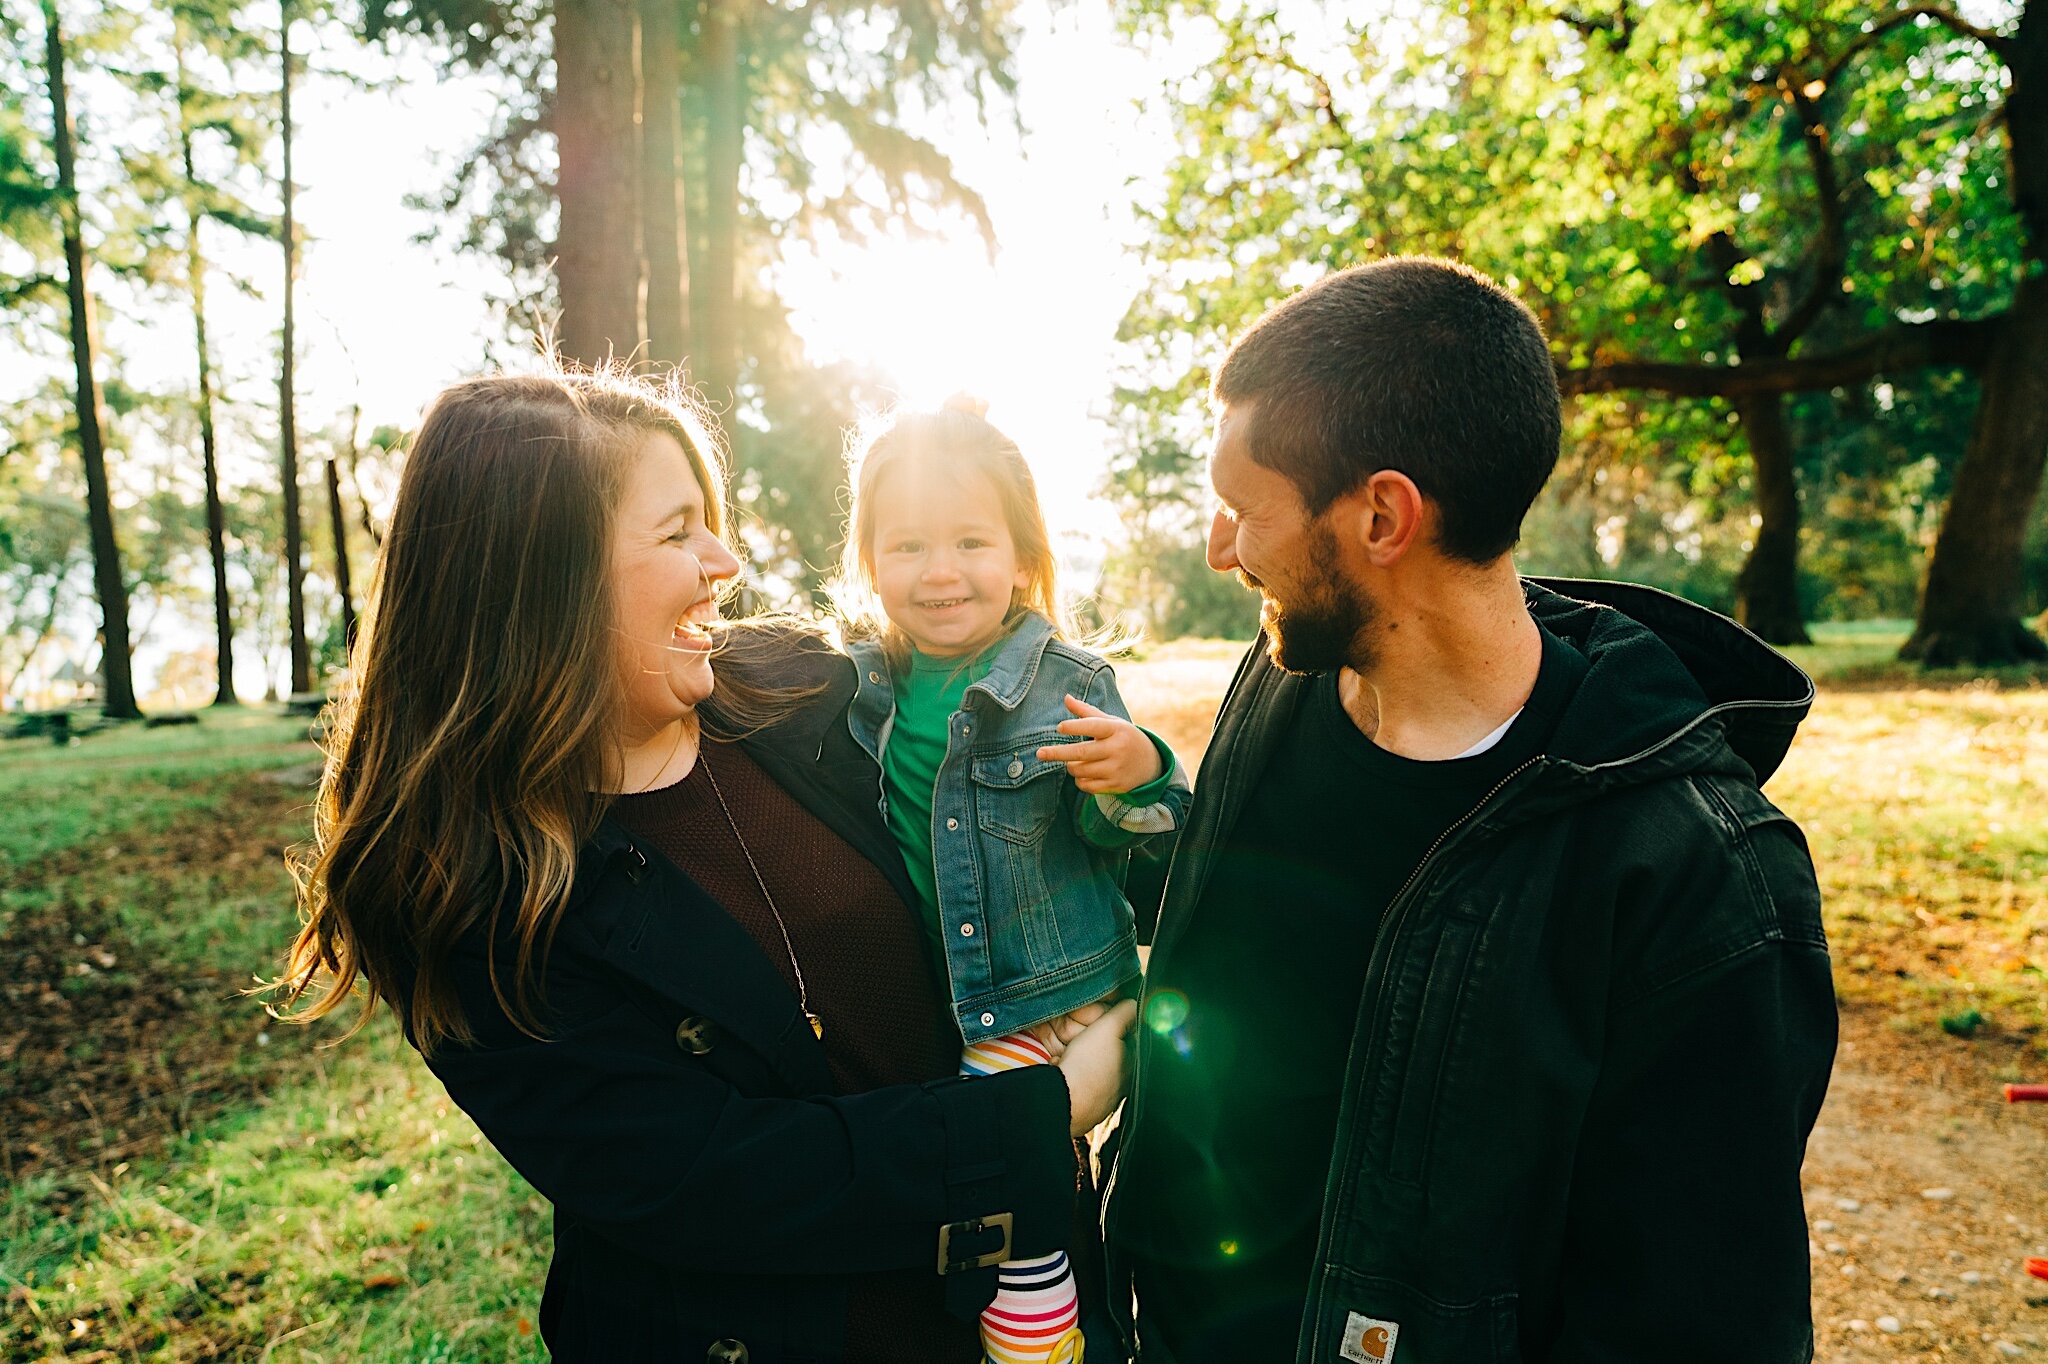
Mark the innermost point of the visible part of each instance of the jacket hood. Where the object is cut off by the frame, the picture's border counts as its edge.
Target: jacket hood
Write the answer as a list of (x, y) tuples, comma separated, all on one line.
[(1669, 685)]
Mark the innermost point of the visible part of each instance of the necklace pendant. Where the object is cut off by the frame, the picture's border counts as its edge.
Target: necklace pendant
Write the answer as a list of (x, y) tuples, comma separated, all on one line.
[(817, 1025)]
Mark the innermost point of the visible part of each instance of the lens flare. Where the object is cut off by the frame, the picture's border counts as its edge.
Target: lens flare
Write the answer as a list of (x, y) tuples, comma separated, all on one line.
[(1165, 1011)]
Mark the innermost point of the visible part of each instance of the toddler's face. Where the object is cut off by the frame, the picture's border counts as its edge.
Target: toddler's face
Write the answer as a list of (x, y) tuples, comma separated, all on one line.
[(945, 565)]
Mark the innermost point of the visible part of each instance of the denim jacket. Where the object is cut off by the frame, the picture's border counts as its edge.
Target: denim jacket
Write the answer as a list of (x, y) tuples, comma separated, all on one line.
[(1029, 869)]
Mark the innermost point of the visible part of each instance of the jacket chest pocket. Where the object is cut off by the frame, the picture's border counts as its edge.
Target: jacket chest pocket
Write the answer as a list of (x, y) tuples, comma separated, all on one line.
[(1017, 794), (1421, 1002)]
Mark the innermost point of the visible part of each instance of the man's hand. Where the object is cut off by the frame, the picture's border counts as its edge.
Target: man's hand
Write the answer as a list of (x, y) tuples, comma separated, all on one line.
[(1113, 756)]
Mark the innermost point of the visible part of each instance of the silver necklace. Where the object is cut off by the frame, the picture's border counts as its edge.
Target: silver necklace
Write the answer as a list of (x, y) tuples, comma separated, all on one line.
[(803, 997)]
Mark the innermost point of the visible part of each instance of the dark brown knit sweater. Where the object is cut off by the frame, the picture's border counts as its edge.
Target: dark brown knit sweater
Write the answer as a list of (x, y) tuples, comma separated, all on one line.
[(866, 972)]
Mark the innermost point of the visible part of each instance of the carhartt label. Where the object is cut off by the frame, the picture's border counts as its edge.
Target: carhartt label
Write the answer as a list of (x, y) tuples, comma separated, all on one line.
[(1368, 1340)]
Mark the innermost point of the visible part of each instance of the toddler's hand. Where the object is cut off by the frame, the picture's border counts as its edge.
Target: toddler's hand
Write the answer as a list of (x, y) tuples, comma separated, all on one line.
[(1113, 757), (1055, 1033)]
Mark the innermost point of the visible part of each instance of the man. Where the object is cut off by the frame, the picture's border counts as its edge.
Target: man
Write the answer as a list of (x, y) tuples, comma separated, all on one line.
[(1489, 1008)]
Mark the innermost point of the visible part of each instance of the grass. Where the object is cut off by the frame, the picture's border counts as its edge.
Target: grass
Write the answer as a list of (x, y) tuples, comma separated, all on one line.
[(134, 780), (340, 1209), (354, 1216)]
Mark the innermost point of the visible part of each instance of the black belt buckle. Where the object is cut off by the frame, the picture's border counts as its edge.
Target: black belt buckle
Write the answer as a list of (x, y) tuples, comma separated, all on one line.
[(952, 1261)]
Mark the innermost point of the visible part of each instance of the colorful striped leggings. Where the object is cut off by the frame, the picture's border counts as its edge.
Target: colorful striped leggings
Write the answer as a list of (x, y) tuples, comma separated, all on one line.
[(1036, 1317)]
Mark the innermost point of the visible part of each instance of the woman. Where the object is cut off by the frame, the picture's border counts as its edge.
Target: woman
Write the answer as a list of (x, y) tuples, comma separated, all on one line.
[(648, 927)]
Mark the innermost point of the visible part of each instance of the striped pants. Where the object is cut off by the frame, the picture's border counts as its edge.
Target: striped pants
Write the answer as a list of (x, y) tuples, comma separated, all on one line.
[(1036, 1317)]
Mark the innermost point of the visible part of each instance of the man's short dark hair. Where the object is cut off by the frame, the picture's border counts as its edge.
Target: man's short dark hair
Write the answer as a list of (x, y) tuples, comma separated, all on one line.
[(1415, 364)]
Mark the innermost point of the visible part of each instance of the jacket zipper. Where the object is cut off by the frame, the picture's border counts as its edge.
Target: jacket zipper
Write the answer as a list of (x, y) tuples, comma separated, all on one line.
[(1379, 928)]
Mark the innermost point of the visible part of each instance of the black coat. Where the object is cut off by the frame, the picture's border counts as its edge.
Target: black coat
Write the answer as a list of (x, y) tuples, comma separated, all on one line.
[(711, 1194), (1596, 1028)]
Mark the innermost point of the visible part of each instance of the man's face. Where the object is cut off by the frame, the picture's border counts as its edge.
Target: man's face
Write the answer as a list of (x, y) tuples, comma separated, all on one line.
[(1315, 616)]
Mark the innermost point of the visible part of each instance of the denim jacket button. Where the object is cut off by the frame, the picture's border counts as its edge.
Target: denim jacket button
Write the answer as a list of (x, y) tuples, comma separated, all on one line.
[(875, 678), (952, 824), (967, 930), (988, 1020), (1016, 767)]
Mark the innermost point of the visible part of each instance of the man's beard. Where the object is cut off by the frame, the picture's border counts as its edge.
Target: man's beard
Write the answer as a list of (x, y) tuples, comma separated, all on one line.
[(1325, 623)]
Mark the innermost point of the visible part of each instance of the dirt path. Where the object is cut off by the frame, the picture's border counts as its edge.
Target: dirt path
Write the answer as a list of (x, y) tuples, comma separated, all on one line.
[(1924, 1193)]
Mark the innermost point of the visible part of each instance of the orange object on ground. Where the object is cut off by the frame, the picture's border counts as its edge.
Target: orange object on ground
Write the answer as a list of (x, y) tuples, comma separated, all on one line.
[(2026, 1094), (2037, 1267)]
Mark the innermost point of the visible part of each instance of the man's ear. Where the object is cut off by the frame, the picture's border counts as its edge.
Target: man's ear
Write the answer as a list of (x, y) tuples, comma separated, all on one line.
[(1389, 517)]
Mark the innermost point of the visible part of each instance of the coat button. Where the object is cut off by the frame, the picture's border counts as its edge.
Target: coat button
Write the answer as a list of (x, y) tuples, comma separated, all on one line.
[(875, 678), (694, 1035), (1016, 767), (988, 1020), (967, 930), (726, 1352), (952, 824)]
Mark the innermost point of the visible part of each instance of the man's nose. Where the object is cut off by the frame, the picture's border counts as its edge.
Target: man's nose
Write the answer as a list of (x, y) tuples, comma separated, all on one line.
[(1222, 544)]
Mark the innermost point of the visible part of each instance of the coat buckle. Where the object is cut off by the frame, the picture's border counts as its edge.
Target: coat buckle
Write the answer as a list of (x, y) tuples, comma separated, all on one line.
[(954, 1260)]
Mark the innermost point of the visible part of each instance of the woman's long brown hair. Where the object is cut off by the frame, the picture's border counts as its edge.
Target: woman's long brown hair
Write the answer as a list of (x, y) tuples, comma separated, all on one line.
[(468, 756)]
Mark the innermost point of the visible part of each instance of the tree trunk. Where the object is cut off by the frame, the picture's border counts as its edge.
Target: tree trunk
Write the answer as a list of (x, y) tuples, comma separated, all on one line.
[(1970, 610), (117, 697), (287, 415), (1767, 589), (216, 521), (597, 108), (661, 188), (718, 347), (338, 528)]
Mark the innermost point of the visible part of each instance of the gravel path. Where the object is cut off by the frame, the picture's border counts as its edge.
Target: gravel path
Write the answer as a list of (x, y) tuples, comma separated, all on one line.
[(1924, 1194)]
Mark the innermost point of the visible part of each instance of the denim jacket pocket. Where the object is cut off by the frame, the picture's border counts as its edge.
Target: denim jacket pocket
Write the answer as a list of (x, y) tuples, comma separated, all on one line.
[(1017, 794)]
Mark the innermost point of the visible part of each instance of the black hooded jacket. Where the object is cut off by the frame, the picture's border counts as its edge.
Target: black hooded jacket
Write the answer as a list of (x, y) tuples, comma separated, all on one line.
[(1596, 1029)]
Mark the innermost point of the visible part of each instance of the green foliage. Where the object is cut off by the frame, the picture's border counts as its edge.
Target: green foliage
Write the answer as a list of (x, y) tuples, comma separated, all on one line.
[(1671, 182)]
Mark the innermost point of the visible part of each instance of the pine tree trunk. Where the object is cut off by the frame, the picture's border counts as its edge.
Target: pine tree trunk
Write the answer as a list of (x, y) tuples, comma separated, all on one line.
[(597, 106), (661, 189), (718, 347), (287, 415), (1969, 612), (216, 520), (337, 527), (1767, 589), (117, 696)]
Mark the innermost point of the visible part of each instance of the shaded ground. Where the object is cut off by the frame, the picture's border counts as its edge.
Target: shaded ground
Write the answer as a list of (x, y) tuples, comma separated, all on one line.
[(108, 1043)]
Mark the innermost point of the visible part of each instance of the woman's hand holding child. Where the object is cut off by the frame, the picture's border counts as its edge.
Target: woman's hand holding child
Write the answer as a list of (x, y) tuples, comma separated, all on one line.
[(1113, 755), (1094, 1066)]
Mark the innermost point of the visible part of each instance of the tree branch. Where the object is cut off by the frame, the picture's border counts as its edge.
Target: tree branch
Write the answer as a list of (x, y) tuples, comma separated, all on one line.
[(1940, 14), (1830, 253), (1326, 102), (1963, 343)]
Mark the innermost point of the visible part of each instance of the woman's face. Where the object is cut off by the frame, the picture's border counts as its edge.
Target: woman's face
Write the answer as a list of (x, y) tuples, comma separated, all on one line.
[(666, 567)]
